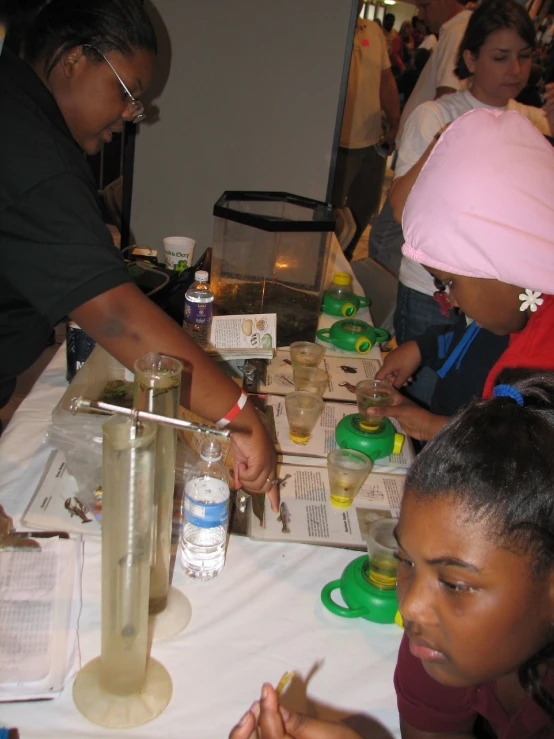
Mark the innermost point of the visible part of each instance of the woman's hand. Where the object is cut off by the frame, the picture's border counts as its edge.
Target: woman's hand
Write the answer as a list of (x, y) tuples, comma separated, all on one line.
[(548, 106), (128, 325), (255, 459), (415, 421), (400, 364), (267, 720)]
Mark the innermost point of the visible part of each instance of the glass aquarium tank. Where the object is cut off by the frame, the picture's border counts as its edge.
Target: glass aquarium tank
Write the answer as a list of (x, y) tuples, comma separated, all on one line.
[(269, 255)]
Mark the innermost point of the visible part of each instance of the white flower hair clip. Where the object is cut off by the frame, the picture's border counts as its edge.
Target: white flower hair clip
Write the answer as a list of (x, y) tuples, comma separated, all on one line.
[(530, 299)]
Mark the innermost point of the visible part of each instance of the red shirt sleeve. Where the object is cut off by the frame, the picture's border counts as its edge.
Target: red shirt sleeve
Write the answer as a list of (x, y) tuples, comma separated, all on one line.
[(424, 703), (532, 347)]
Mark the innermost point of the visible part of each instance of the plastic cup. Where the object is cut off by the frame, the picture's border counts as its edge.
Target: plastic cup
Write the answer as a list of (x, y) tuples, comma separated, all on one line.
[(303, 409), (306, 353), (381, 550), (347, 471), (310, 379), (372, 394), (179, 251)]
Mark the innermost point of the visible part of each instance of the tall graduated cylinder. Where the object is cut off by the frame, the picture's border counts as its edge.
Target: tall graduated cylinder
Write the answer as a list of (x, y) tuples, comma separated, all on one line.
[(157, 390), (127, 503)]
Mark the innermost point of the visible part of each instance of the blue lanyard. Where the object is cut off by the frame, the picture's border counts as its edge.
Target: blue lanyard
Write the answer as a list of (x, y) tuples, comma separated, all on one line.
[(460, 351)]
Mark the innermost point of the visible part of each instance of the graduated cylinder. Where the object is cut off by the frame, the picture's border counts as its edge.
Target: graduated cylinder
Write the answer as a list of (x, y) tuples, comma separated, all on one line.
[(127, 504), (157, 390)]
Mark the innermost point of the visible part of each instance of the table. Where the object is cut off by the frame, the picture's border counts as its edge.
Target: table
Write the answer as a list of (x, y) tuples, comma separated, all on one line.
[(261, 617)]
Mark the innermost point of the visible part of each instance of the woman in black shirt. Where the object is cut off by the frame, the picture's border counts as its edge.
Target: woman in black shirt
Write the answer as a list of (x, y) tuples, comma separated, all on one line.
[(85, 64)]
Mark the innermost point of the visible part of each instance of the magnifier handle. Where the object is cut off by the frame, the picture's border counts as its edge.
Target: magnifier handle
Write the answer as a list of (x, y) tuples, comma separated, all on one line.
[(330, 604), (323, 334), (381, 334)]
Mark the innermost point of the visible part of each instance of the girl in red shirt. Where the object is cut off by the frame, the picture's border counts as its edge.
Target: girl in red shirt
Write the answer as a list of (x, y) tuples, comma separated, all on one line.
[(475, 579), (480, 219)]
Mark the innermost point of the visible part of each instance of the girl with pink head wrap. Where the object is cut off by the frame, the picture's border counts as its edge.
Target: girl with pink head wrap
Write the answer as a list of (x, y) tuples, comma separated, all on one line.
[(480, 218)]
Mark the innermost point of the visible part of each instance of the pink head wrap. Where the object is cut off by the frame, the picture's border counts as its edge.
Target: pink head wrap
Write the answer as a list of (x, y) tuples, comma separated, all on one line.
[(483, 205)]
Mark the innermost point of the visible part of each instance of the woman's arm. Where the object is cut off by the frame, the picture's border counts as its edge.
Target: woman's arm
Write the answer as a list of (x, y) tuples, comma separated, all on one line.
[(128, 326), (402, 186), (548, 106)]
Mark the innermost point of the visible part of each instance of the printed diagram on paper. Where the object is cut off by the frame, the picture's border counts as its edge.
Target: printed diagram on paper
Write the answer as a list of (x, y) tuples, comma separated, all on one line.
[(308, 515)]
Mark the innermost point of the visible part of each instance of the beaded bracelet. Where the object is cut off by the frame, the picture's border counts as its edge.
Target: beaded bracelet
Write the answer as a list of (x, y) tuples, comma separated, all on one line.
[(235, 410)]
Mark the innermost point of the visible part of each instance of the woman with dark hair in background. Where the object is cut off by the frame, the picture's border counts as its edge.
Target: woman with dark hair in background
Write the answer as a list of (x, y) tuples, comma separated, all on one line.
[(85, 64)]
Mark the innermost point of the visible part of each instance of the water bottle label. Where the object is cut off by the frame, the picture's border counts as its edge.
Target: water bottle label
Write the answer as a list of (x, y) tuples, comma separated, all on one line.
[(198, 313), (206, 515)]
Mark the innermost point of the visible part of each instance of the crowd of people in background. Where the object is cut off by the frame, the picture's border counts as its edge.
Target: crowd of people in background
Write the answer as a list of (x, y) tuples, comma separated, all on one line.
[(422, 58)]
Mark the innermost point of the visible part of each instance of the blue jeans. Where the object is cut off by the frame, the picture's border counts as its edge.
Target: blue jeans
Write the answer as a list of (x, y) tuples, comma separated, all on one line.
[(415, 313), (386, 240)]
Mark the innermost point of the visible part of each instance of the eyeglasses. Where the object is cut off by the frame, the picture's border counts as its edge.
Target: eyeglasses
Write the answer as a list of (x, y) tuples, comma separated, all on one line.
[(442, 287), (134, 107)]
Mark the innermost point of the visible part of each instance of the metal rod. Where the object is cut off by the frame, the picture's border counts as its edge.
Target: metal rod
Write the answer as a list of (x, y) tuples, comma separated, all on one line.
[(81, 404)]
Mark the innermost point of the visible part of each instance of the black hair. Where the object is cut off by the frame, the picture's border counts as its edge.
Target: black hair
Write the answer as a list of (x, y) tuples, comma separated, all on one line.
[(388, 20), (495, 458), (54, 26), (491, 16)]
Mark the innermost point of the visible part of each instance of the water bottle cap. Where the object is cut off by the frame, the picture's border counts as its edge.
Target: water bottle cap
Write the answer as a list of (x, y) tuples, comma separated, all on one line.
[(201, 275)]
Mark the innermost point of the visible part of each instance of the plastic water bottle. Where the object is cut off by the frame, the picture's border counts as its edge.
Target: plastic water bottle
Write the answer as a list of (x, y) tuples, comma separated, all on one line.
[(205, 515), (340, 286), (199, 301)]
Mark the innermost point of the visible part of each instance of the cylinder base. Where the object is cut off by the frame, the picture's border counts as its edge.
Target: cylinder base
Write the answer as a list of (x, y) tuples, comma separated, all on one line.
[(122, 711), (173, 619)]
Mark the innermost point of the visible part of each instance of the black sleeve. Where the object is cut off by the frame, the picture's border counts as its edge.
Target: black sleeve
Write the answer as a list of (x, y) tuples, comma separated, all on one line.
[(428, 343), (61, 254)]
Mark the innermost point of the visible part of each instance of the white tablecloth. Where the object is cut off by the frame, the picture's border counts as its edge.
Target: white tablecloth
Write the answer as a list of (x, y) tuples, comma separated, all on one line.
[(261, 617)]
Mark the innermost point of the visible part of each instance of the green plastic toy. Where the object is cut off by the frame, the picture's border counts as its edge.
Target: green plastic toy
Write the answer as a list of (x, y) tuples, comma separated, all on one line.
[(345, 307), (375, 443), (353, 335), (363, 600)]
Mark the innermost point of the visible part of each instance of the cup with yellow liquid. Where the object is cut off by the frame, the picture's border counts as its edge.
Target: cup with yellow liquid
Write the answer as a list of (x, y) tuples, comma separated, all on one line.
[(303, 410), (373, 394), (347, 471), (381, 549)]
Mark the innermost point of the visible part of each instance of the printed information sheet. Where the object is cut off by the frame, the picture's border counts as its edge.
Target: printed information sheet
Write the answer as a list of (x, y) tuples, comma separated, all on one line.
[(40, 601), (246, 336), (307, 515), (344, 374)]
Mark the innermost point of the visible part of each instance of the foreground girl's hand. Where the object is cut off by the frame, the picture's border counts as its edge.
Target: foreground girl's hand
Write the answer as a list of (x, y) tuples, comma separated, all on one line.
[(400, 364), (267, 720)]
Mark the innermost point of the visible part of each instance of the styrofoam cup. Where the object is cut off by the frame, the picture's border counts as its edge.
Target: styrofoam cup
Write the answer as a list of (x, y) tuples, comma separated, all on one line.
[(179, 251)]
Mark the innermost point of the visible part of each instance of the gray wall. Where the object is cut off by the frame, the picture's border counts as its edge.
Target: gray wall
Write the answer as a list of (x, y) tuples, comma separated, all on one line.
[(248, 94)]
